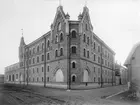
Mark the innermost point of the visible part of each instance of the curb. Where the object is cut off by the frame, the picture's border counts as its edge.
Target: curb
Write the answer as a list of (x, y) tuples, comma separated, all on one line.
[(116, 93)]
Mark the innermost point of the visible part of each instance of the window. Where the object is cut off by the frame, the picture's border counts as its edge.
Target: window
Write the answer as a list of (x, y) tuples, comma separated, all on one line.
[(42, 79), (94, 46), (108, 64), (37, 48), (48, 68), (86, 27), (59, 26), (48, 56), (99, 70), (42, 46), (98, 48), (87, 54), (73, 34), (56, 53), (37, 79), (98, 59), (94, 57), (30, 52), (94, 79), (102, 61), (33, 79), (42, 69), (42, 57), (88, 40), (29, 61), (37, 70), (16, 76), (37, 59), (33, 60), (33, 50), (73, 65), (84, 40), (56, 38), (94, 69), (73, 78), (48, 43), (61, 52), (98, 79), (61, 37), (73, 49), (84, 52), (48, 79), (105, 62), (33, 70)]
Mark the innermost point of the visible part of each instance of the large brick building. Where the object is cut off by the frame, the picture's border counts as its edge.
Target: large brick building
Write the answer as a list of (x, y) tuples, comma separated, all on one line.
[(69, 54)]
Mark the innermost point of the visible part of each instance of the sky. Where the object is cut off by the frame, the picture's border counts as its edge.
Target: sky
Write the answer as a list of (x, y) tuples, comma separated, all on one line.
[(116, 22)]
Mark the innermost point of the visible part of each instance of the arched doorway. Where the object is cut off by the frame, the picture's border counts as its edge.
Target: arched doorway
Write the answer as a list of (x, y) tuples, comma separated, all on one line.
[(59, 77), (85, 76)]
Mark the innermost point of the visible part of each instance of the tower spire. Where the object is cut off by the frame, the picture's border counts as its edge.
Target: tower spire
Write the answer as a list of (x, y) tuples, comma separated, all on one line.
[(22, 32), (59, 2), (85, 3)]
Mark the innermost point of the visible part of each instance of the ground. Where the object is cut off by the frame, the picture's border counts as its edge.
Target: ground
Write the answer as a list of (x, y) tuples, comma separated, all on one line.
[(13, 95)]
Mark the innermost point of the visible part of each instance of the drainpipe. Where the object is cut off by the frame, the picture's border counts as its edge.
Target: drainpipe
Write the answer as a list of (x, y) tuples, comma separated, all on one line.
[(44, 61)]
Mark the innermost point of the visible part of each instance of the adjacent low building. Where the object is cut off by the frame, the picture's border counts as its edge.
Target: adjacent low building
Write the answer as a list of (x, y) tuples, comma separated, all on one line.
[(69, 55), (1, 78)]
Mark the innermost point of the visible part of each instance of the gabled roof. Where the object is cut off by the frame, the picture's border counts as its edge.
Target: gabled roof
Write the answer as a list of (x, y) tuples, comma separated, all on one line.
[(130, 55)]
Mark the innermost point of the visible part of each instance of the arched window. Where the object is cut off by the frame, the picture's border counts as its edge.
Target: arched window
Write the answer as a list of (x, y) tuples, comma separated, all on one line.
[(87, 54), (61, 37), (56, 53), (42, 46), (73, 49), (84, 52), (73, 78), (73, 65), (88, 40), (56, 38), (73, 34), (61, 52), (59, 26), (84, 40), (37, 48), (48, 43)]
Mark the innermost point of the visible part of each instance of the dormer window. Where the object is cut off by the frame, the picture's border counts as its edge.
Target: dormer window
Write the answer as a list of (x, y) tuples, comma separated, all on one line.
[(59, 26)]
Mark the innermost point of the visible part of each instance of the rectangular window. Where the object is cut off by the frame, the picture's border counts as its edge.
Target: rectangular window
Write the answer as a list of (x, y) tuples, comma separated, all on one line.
[(94, 57), (98, 48), (94, 46), (48, 56), (37, 70), (37, 59), (88, 40), (98, 59), (94, 69), (48, 68), (48, 79), (16, 76), (42, 69), (42, 57), (87, 54)]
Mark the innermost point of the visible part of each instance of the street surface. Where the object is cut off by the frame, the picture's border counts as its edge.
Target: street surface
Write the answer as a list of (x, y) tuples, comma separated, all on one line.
[(17, 96), (13, 95), (126, 98)]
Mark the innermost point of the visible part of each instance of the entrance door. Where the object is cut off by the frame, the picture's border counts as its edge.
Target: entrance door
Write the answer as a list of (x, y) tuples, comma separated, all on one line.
[(59, 77), (86, 75)]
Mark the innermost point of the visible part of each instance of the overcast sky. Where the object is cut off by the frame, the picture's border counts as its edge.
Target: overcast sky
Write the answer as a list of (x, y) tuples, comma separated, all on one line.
[(116, 22)]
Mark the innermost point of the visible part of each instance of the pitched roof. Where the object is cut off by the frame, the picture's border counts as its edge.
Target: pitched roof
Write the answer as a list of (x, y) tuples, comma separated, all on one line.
[(129, 57)]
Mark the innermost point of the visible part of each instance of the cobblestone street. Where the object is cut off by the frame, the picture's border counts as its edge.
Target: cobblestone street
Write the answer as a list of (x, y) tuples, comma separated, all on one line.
[(17, 96), (14, 95)]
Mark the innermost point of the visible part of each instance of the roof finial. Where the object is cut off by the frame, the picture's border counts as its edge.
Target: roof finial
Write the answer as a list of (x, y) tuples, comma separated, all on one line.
[(85, 3), (59, 2), (22, 32)]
